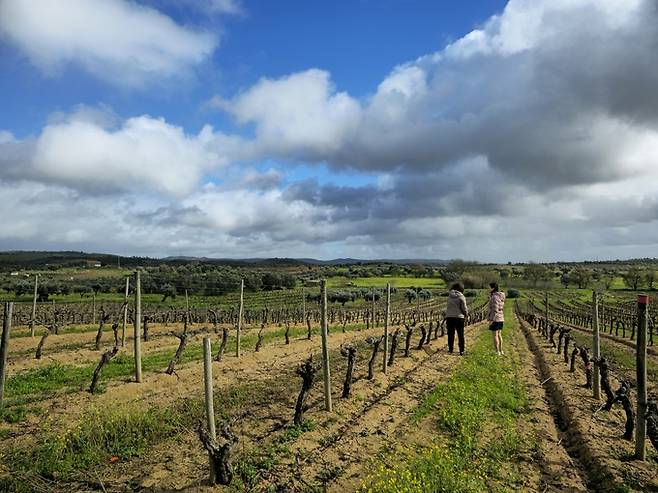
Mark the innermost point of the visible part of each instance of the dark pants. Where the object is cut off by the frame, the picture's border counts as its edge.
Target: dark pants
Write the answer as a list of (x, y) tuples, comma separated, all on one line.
[(458, 325)]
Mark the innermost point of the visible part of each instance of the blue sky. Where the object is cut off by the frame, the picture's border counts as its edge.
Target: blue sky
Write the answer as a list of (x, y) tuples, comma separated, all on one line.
[(391, 128), (359, 42)]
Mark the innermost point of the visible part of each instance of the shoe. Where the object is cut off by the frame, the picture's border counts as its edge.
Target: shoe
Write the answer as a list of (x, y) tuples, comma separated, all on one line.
[(461, 353), (497, 353), (502, 353)]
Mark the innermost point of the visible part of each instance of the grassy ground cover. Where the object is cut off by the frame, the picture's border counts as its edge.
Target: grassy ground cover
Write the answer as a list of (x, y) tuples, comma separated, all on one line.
[(109, 436), (476, 434), (38, 383)]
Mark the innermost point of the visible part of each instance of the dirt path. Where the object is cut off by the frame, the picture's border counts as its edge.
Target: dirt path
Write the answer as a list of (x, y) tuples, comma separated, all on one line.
[(333, 454), (158, 388), (379, 424), (591, 438), (79, 347), (549, 466)]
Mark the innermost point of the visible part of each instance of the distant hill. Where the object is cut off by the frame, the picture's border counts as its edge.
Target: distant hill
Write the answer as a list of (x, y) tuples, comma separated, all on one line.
[(42, 259), (39, 259)]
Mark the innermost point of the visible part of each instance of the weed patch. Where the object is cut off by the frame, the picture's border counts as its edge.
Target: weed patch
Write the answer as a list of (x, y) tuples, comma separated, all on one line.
[(483, 395)]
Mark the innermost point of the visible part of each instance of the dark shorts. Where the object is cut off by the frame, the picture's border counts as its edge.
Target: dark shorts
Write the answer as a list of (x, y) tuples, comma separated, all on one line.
[(496, 326)]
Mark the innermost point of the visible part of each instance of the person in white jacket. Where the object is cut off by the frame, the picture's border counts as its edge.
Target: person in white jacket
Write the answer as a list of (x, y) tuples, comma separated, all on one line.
[(496, 316), (456, 314)]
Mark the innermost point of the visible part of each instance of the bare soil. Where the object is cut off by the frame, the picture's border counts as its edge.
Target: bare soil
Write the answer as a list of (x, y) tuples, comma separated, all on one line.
[(592, 438)]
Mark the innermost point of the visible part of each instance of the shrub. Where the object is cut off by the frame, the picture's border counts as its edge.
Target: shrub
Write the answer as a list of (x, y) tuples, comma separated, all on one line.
[(471, 281), (470, 293), (513, 293)]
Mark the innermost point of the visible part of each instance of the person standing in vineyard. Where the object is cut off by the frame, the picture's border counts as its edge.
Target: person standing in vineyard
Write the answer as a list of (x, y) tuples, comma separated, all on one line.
[(456, 313), (496, 316)]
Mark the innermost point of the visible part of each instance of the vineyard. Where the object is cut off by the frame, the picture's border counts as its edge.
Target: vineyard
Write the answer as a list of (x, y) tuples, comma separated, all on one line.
[(309, 389)]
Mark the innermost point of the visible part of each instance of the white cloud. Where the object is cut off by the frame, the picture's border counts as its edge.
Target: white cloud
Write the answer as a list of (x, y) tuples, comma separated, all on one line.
[(224, 7), (526, 24), (118, 41), (533, 137), (142, 152), (266, 180), (210, 8), (546, 91), (300, 115), (6, 137)]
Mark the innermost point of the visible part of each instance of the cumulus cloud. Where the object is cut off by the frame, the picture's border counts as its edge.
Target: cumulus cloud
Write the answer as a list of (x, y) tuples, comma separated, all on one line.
[(118, 41), (266, 180), (300, 116), (83, 151), (211, 221), (220, 222), (6, 137), (549, 106), (533, 137), (549, 92)]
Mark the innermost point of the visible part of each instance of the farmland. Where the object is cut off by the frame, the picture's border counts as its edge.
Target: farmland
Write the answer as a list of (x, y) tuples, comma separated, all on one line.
[(347, 247), (432, 421)]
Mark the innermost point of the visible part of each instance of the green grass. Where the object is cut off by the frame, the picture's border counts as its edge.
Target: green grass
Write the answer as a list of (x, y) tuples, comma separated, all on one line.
[(15, 414), (55, 377), (99, 436), (255, 465), (484, 393), (104, 436), (47, 378), (67, 329)]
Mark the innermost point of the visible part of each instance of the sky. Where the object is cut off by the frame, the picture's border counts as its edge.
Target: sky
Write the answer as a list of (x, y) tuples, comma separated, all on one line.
[(495, 131)]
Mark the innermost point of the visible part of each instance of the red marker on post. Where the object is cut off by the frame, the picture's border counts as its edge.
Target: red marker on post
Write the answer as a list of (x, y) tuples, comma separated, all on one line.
[(643, 299)]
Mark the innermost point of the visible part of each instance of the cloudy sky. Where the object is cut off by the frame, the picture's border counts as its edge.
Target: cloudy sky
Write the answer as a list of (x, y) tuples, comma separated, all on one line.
[(495, 131)]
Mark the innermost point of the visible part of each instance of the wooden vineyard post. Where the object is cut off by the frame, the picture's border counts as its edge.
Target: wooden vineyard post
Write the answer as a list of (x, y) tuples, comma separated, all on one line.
[(386, 322), (187, 307), (4, 349), (546, 309), (596, 346), (237, 338), (303, 306), (125, 313), (210, 406), (138, 320), (34, 304), (93, 307), (325, 345), (641, 371), (373, 307)]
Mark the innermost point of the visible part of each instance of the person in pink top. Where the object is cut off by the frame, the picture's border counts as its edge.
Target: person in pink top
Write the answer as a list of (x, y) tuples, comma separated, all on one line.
[(496, 316)]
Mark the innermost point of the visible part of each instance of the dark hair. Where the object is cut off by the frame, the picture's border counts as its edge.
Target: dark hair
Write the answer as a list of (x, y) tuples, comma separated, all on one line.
[(493, 286), (458, 286)]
